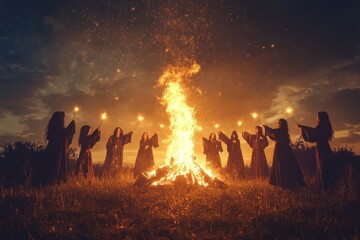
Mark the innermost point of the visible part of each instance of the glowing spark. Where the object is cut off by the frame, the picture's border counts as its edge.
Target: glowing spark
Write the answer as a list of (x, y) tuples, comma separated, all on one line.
[(217, 126), (162, 125), (239, 123), (103, 116), (289, 110), (200, 128), (140, 118), (254, 115), (76, 109)]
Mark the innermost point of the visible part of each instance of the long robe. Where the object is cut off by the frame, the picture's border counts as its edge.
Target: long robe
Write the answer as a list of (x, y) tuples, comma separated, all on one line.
[(324, 155), (211, 150), (54, 167), (145, 157), (115, 153), (84, 166), (286, 172), (235, 161), (258, 165)]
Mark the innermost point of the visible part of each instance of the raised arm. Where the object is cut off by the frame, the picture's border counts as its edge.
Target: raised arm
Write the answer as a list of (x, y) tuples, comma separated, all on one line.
[(309, 134), (127, 137), (94, 137), (70, 131), (247, 136), (154, 140), (271, 133), (224, 138)]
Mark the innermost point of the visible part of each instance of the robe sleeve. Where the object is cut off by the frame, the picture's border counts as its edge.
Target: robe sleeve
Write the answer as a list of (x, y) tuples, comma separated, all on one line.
[(248, 138), (220, 147), (205, 145), (94, 137), (127, 137), (154, 140), (264, 142), (109, 143), (70, 131), (224, 138), (271, 133), (309, 134)]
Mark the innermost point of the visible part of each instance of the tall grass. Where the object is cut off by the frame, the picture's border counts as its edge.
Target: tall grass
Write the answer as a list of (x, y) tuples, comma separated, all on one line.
[(114, 209)]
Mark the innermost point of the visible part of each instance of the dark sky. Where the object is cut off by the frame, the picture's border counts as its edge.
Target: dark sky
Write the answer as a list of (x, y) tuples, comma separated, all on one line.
[(102, 55)]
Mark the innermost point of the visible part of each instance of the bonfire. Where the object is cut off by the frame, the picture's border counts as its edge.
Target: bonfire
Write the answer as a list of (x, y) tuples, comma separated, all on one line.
[(181, 166)]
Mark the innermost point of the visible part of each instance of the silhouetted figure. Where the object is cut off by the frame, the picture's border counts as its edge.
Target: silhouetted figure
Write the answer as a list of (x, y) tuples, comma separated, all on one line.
[(114, 151), (145, 157), (258, 142), (286, 172), (212, 147), (321, 135), (84, 166), (54, 166), (235, 165)]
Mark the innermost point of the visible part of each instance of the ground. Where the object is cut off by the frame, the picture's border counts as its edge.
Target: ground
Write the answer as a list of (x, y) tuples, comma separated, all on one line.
[(114, 209)]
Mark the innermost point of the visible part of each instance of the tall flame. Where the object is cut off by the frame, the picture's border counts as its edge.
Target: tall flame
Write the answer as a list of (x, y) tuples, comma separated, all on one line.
[(182, 116), (180, 150)]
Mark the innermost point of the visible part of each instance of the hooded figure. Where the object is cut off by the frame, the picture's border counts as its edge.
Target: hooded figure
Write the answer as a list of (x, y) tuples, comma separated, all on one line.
[(321, 135), (286, 172), (84, 166), (235, 165), (114, 151), (258, 142), (54, 165), (145, 157), (212, 147)]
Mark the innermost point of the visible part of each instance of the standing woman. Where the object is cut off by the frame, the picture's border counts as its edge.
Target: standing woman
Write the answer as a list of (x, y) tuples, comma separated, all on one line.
[(321, 135), (145, 157), (258, 142), (84, 167), (235, 165), (54, 168), (114, 151), (286, 172), (212, 147)]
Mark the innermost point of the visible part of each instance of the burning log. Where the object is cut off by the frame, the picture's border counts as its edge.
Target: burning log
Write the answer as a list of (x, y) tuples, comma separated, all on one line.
[(146, 180), (170, 176)]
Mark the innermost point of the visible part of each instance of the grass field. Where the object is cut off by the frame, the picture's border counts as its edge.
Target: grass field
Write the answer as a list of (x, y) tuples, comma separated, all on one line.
[(114, 209)]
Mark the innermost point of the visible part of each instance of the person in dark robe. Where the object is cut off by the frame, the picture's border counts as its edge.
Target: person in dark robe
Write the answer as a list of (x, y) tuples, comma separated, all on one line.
[(212, 147), (258, 142), (321, 135), (286, 172), (235, 165), (114, 152), (84, 166), (145, 157), (54, 164)]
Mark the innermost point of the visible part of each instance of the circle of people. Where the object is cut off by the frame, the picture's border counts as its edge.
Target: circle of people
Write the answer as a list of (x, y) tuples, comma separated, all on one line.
[(285, 172)]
